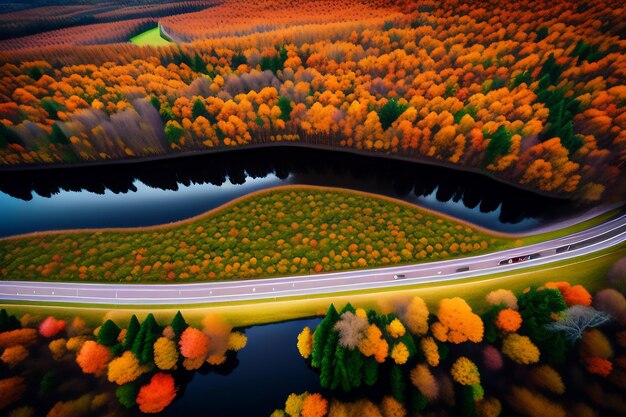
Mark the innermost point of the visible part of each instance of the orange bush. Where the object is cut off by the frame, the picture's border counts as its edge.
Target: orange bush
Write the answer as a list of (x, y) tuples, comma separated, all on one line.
[(158, 394), (508, 320), (314, 405), (457, 323), (93, 358), (24, 337)]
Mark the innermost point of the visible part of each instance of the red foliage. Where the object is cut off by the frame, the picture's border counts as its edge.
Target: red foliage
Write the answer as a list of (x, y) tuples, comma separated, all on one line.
[(158, 394), (50, 327), (598, 366)]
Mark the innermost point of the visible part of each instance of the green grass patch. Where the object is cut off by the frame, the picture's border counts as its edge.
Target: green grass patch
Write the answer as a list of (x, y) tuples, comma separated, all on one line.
[(578, 227), (284, 231), (150, 37)]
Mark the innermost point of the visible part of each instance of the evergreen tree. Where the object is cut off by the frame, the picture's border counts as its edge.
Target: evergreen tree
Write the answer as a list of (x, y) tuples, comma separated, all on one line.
[(326, 372), (149, 332), (131, 332), (536, 308), (499, 144), (321, 335), (52, 108), (8, 136), (237, 60), (199, 109), (8, 322), (49, 381), (58, 137), (155, 103), (284, 104), (198, 64), (390, 112), (178, 324), (108, 333), (542, 33), (397, 384), (127, 394), (552, 69), (370, 371), (418, 401)]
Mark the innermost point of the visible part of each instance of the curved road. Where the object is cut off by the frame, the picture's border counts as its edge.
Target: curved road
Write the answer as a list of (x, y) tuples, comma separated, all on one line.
[(604, 236)]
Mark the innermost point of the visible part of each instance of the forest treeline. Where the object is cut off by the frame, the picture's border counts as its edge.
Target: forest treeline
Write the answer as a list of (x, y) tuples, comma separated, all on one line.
[(532, 93)]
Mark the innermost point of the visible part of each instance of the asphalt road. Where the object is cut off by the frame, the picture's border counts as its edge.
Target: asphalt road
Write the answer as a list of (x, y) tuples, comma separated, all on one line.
[(592, 240)]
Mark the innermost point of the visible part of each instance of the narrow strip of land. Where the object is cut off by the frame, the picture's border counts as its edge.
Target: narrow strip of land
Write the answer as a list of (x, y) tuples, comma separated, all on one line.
[(607, 235)]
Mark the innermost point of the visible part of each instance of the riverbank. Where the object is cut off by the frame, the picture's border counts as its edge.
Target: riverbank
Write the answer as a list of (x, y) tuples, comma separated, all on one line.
[(319, 147)]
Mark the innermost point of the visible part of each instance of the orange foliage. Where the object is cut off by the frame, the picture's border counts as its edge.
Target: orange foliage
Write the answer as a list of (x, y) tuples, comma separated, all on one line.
[(158, 394), (457, 323), (24, 337), (508, 320), (314, 405), (576, 295), (194, 344), (93, 358)]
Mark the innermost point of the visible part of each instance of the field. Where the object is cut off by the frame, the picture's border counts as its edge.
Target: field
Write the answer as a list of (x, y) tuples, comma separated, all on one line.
[(283, 231), (150, 37)]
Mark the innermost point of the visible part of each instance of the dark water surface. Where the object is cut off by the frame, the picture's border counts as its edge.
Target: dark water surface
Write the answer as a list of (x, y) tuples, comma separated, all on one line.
[(268, 369), (158, 192)]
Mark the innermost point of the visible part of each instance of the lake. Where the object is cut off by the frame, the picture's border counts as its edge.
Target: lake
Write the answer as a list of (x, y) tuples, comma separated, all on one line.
[(149, 193)]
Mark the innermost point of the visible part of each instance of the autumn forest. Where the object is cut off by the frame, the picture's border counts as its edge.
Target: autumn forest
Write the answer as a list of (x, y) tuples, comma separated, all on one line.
[(314, 208), (531, 93)]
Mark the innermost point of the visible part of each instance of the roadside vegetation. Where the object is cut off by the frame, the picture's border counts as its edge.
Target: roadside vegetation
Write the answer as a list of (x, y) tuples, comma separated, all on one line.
[(284, 231), (524, 355)]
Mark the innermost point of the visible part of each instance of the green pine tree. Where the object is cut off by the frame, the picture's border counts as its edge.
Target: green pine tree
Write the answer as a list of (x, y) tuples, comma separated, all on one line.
[(499, 145), (284, 104), (58, 137), (199, 109), (108, 333), (126, 394), (397, 384), (321, 334), (370, 371), (131, 332), (178, 324)]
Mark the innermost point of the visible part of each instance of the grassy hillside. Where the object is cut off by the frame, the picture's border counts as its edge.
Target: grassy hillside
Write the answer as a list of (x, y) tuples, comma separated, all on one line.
[(150, 37)]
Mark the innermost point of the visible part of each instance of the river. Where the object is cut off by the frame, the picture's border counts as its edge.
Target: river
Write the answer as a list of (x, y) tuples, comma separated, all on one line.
[(149, 193)]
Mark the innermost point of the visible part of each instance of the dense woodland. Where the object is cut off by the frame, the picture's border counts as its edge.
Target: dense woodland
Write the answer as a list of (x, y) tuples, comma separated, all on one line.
[(532, 93), (523, 354)]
